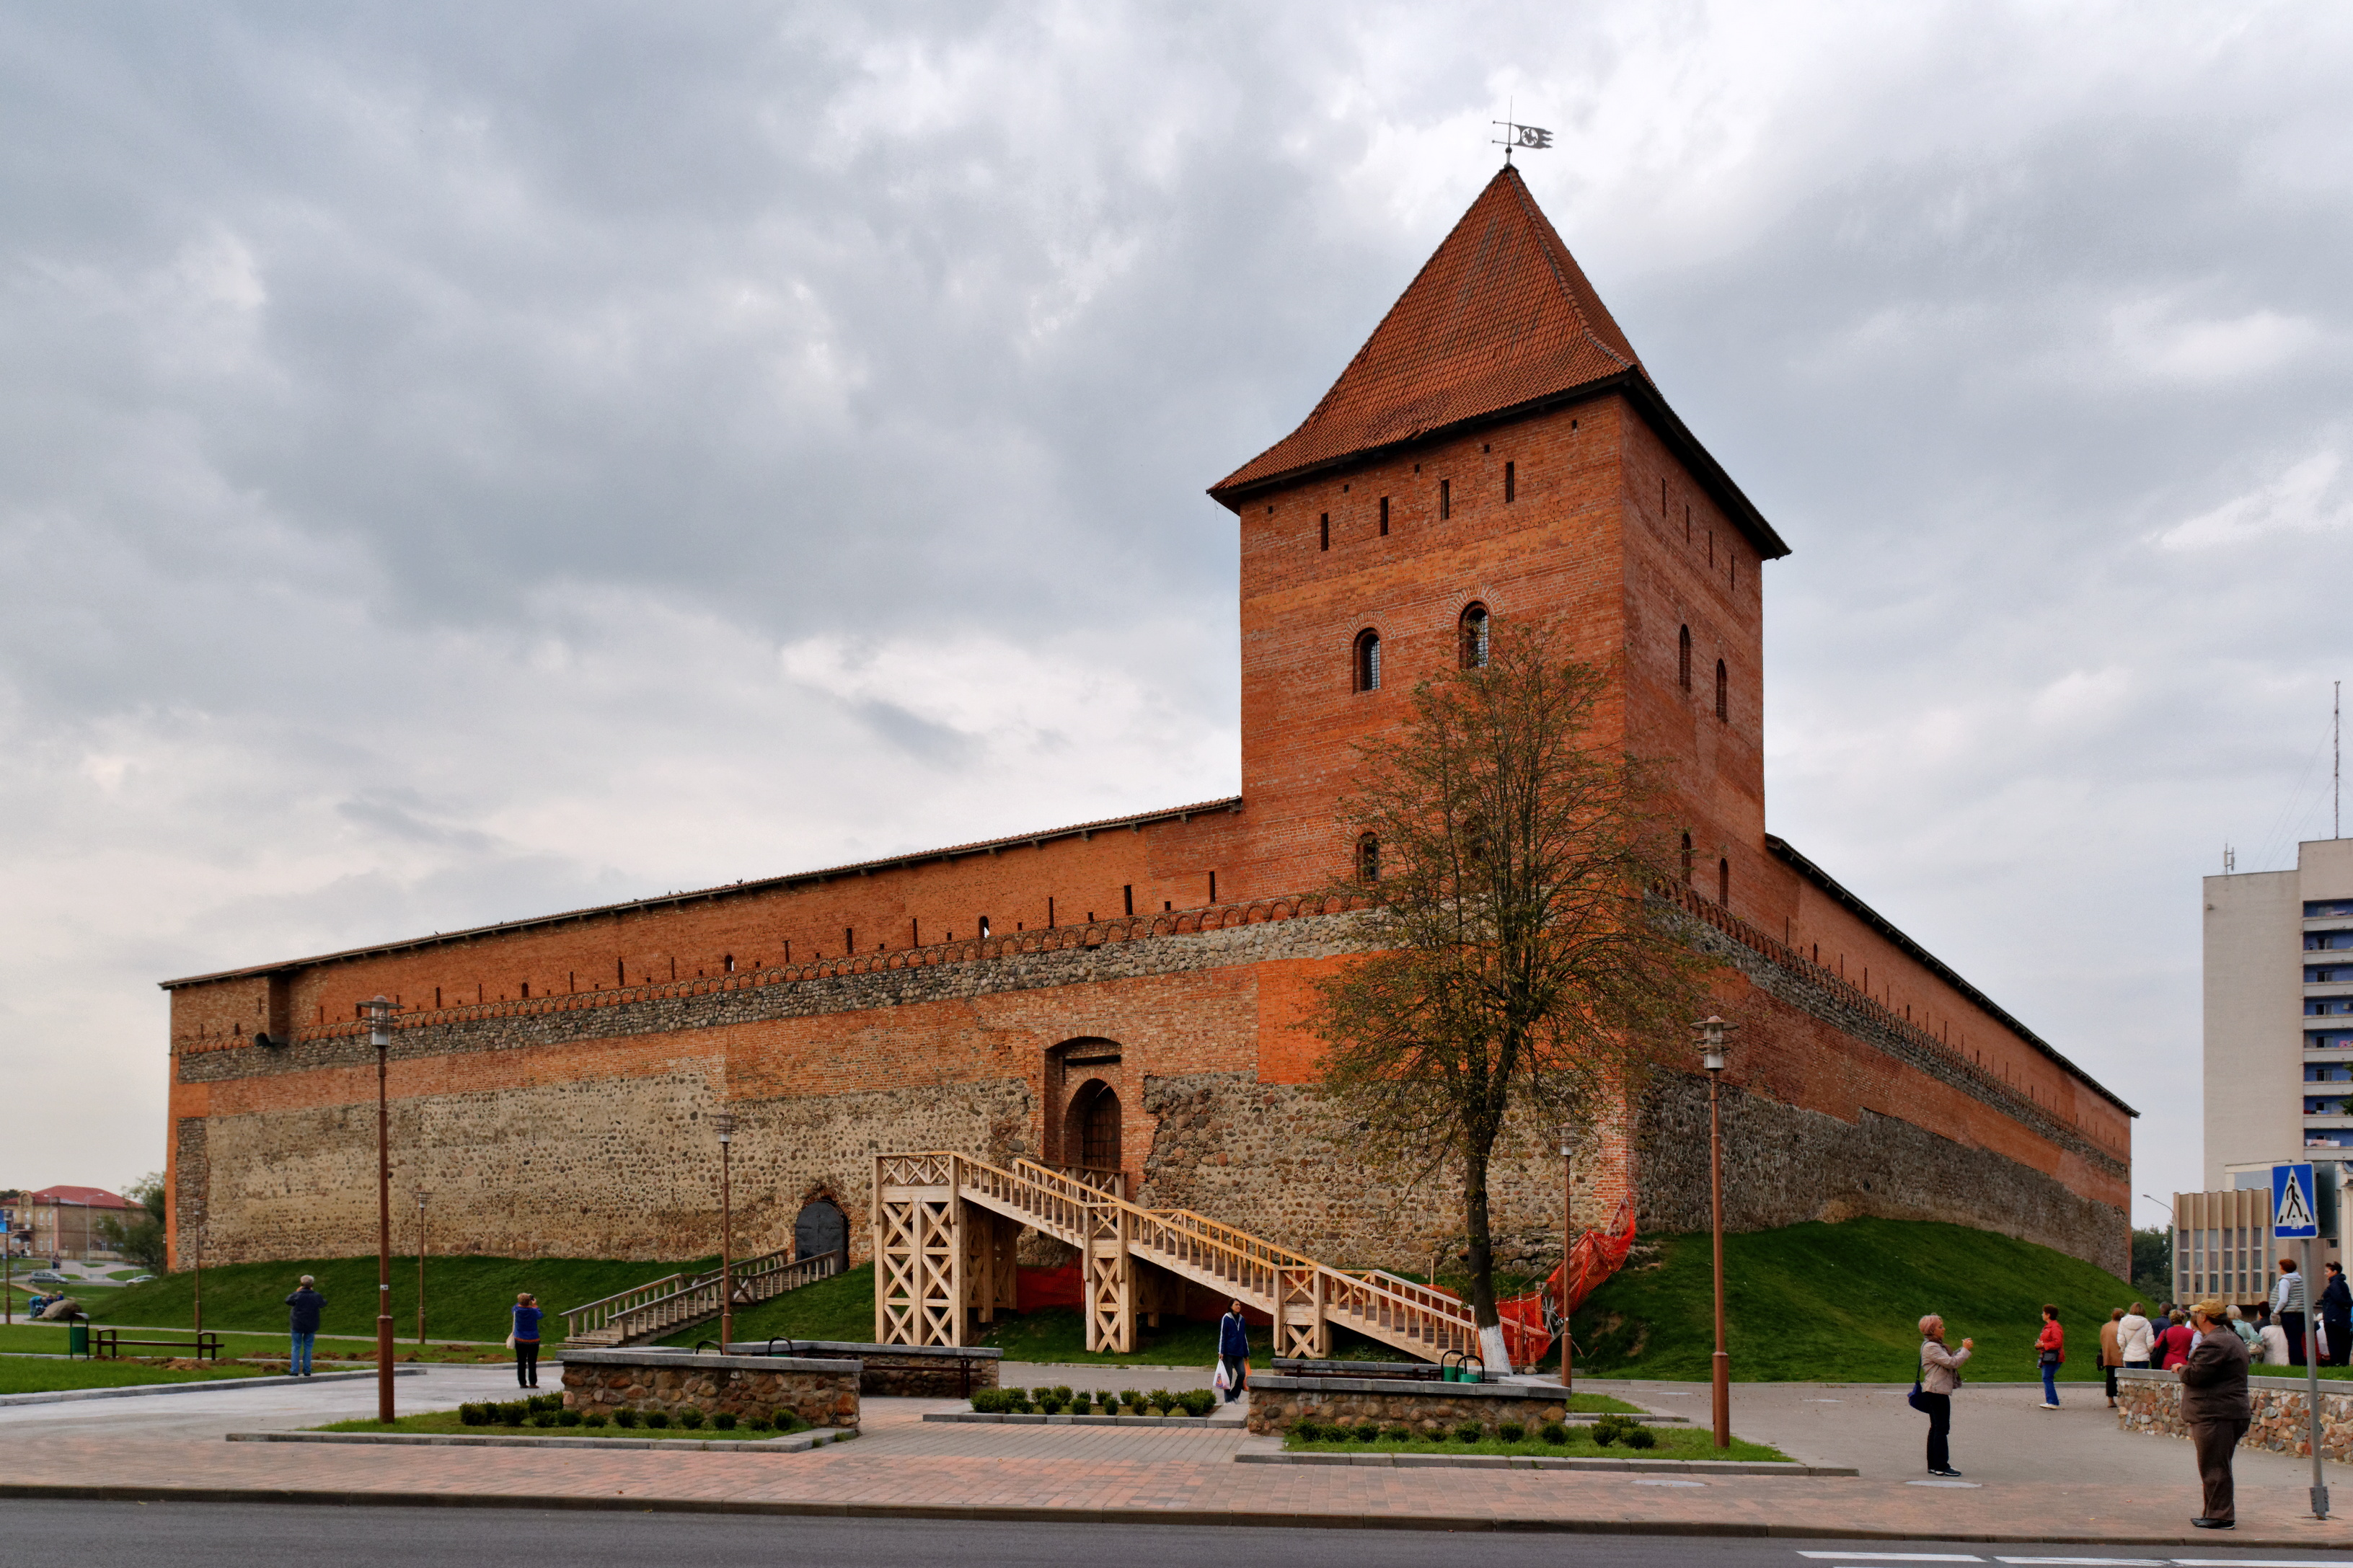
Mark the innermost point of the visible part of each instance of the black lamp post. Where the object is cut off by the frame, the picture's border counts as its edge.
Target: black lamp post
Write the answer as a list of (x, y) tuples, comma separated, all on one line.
[(420, 1269), (1567, 1244), (379, 1012), (723, 1123), (1711, 1054)]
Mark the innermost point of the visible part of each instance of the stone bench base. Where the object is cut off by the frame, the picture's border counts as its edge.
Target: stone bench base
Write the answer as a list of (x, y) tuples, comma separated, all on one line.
[(821, 1393), (1276, 1402), (2150, 1401)]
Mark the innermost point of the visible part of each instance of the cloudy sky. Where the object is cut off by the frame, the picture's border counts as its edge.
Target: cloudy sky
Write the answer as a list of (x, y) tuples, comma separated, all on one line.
[(460, 461)]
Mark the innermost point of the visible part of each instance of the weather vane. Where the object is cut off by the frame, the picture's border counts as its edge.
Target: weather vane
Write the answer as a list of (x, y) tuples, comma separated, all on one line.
[(1516, 135)]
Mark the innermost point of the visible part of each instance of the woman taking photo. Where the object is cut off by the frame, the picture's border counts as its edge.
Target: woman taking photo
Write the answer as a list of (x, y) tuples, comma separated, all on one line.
[(1940, 1374)]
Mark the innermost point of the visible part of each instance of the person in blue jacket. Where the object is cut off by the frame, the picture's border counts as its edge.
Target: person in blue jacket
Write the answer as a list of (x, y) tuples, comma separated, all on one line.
[(526, 1340), (302, 1309), (1233, 1349)]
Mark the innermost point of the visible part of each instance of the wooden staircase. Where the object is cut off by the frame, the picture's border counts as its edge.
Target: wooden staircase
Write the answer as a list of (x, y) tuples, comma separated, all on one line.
[(677, 1301), (945, 1225)]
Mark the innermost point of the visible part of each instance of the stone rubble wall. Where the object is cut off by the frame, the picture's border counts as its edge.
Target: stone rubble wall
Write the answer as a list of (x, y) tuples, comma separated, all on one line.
[(1276, 1402), (822, 1394), (2151, 1402)]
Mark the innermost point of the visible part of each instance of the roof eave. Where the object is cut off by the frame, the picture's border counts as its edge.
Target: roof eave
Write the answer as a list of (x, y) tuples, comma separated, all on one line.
[(1631, 383)]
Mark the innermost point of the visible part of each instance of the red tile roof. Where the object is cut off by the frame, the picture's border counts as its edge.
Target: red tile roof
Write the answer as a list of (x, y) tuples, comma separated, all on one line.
[(1499, 317), (85, 1197)]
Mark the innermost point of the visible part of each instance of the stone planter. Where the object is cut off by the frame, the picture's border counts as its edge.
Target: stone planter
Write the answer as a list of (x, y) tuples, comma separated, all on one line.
[(1276, 1402), (2150, 1401), (821, 1393)]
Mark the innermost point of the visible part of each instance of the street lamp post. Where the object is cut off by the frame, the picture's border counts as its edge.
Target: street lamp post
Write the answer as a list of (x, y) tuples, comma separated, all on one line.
[(420, 1269), (379, 1012), (1712, 1031), (1567, 1244), (723, 1122)]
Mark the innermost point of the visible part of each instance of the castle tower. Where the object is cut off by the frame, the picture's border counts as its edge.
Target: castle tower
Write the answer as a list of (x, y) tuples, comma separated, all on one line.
[(1496, 449)]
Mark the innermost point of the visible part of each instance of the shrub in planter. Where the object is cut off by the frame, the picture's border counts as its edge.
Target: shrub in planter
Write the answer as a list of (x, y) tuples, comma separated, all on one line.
[(1469, 1432), (595, 1419), (542, 1418), (1367, 1431), (1307, 1429), (1639, 1437), (512, 1413), (1162, 1400), (1041, 1394), (1132, 1400), (1050, 1405), (474, 1415), (1399, 1434), (625, 1418), (657, 1419), (690, 1418), (567, 1418), (1553, 1433), (989, 1401), (545, 1402), (724, 1421), (1510, 1432), (1198, 1402), (758, 1424), (1061, 1391), (788, 1422)]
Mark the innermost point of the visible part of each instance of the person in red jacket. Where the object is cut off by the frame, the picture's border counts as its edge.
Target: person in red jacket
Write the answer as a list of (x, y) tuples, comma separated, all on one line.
[(2051, 1349), (2174, 1345)]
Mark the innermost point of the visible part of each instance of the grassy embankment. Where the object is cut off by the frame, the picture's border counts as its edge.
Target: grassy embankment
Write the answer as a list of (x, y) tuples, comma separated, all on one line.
[(1841, 1303), (465, 1297), (36, 1374)]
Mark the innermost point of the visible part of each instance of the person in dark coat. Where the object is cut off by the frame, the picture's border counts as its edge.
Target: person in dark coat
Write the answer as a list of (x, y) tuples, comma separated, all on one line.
[(526, 1340), (1233, 1350), (2337, 1317), (302, 1309), (2215, 1408)]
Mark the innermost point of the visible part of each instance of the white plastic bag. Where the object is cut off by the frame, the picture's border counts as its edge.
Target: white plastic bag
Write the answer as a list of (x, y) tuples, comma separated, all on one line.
[(1222, 1381)]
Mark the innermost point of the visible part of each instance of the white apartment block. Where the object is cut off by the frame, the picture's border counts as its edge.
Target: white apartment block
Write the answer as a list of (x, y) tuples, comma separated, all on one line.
[(2279, 1015)]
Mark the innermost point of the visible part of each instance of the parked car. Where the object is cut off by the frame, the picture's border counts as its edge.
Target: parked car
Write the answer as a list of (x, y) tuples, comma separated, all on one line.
[(139, 1279), (47, 1277)]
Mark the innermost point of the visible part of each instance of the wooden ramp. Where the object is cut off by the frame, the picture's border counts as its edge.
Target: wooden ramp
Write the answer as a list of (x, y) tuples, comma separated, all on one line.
[(945, 1225), (677, 1301)]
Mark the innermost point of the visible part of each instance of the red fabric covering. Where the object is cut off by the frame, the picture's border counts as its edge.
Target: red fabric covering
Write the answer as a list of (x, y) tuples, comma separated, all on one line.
[(1038, 1288), (1529, 1327)]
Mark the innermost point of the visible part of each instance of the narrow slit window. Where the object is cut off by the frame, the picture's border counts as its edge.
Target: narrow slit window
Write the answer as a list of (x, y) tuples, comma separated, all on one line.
[(1510, 483), (1722, 692), (1368, 661), (1128, 899), (984, 928), (1723, 883), (1368, 858), (1445, 499), (1474, 637), (1385, 517), (1324, 530), (1687, 860), (1682, 658)]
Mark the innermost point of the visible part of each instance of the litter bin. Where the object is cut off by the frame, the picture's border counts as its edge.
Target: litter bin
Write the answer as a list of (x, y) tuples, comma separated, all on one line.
[(78, 1340)]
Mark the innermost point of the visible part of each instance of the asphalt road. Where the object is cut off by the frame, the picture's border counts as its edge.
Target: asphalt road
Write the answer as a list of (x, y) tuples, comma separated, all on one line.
[(66, 1535)]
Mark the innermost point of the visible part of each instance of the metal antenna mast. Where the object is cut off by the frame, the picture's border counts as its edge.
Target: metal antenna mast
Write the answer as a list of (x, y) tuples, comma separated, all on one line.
[(2337, 763)]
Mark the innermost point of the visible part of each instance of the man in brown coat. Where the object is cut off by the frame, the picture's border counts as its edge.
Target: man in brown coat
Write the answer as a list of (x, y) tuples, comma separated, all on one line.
[(2214, 1406)]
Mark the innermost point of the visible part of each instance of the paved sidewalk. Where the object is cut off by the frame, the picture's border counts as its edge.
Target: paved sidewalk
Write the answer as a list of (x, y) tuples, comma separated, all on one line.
[(905, 1468)]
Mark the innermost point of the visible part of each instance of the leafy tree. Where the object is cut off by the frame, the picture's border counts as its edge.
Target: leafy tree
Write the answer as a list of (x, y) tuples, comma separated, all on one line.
[(2152, 1263), (1519, 973), (138, 1234)]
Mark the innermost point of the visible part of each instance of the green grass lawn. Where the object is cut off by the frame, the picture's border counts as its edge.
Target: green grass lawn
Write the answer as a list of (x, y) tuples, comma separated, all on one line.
[(465, 1297), (50, 1338), (1673, 1444), (841, 1308), (441, 1421), (1841, 1303), (32, 1374)]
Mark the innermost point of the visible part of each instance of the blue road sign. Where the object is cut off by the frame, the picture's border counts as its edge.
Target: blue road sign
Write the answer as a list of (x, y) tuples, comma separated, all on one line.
[(2295, 1216)]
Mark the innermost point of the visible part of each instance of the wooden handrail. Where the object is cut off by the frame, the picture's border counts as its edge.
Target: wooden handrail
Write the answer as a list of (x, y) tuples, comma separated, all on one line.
[(685, 1298)]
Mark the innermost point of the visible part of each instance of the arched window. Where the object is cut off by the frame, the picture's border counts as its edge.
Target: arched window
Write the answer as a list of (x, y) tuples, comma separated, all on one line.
[(1682, 658), (1092, 1131), (1368, 858), (1687, 860), (1368, 661), (1723, 883), (820, 1228), (1475, 637), (1722, 692)]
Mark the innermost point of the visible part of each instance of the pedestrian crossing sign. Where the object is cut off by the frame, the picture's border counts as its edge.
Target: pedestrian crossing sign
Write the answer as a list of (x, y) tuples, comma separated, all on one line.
[(2295, 1216)]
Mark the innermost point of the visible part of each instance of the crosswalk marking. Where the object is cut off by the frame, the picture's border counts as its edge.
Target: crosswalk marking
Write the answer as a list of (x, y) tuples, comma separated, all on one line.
[(2091, 1562), (1905, 1557)]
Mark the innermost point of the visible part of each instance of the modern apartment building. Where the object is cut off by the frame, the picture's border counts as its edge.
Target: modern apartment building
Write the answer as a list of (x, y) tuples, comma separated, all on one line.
[(2279, 1015)]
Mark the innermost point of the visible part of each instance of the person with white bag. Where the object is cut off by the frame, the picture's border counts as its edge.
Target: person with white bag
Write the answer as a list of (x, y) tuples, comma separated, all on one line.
[(1232, 1377)]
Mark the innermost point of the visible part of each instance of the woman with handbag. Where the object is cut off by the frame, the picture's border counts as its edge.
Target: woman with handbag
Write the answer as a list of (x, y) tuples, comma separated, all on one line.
[(2051, 1349), (1940, 1374)]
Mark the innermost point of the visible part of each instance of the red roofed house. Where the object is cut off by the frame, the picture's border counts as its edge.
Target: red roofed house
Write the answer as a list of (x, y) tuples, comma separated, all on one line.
[(1125, 995), (63, 1221)]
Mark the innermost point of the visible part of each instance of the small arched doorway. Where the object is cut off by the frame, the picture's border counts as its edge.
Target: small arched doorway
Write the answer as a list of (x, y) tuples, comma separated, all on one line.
[(1092, 1131), (821, 1227)]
